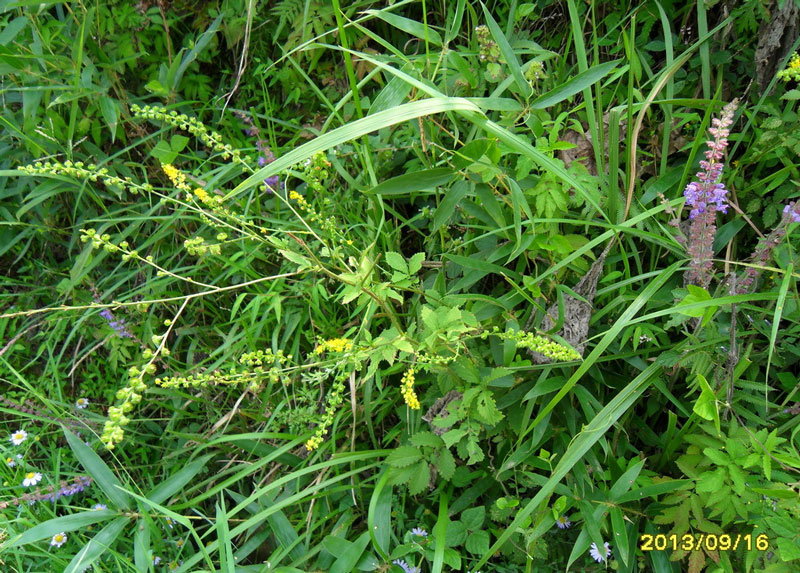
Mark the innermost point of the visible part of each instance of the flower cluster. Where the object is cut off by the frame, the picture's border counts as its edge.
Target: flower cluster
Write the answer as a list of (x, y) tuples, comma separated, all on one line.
[(272, 183), (50, 493), (197, 247), (131, 394), (334, 345), (407, 390), (194, 126), (792, 71), (535, 72), (88, 172), (763, 252), (335, 398), (119, 327), (29, 408), (537, 343), (489, 50), (255, 360), (706, 196)]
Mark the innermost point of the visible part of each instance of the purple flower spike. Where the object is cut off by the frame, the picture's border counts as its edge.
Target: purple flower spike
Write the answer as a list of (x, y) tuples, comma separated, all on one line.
[(705, 197)]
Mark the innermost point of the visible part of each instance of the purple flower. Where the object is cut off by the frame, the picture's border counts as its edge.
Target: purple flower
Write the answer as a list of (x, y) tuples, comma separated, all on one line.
[(118, 325), (405, 566), (792, 211), (419, 532), (705, 197)]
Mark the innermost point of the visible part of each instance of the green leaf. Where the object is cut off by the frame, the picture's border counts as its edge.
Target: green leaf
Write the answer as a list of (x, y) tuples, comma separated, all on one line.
[(413, 182), (473, 517), (347, 560), (404, 456), (97, 546), (574, 86), (788, 548), (706, 405), (354, 130), (425, 33), (447, 464), (63, 524), (696, 295), (508, 54), (419, 481), (174, 483), (719, 458), (487, 409), (451, 437), (428, 439), (620, 539), (163, 152), (103, 477), (396, 261), (477, 542), (415, 263), (109, 107)]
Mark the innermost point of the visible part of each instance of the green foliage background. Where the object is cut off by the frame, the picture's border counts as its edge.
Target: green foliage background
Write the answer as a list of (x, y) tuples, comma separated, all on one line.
[(447, 172)]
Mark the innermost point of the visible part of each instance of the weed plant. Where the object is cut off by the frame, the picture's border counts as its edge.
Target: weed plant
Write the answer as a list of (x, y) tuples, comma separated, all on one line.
[(420, 287)]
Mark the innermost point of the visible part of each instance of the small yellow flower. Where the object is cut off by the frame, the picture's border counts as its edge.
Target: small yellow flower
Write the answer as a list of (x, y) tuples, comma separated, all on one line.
[(407, 390), (313, 443), (334, 345)]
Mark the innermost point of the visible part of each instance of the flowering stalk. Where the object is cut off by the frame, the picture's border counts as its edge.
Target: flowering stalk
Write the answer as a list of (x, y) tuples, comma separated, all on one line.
[(706, 196), (52, 493), (763, 252)]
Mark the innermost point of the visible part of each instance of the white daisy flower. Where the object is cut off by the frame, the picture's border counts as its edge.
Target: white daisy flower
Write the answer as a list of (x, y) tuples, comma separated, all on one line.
[(58, 540), (10, 462), (99, 507), (170, 522), (156, 559), (595, 553), (31, 479), (18, 437), (81, 403), (563, 522)]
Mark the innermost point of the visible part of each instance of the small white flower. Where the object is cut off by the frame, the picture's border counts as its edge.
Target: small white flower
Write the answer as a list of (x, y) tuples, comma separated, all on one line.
[(170, 522), (81, 403), (99, 507), (10, 462), (58, 540), (31, 479), (595, 553), (156, 559), (18, 437), (563, 522)]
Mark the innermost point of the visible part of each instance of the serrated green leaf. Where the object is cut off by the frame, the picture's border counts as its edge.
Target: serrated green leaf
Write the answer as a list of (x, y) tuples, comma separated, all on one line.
[(427, 439), (447, 464), (404, 456), (397, 262), (453, 436), (419, 481), (415, 263), (487, 409), (718, 457)]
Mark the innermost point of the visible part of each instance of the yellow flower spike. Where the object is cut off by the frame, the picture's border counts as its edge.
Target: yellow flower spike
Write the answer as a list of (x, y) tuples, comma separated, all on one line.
[(407, 390)]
